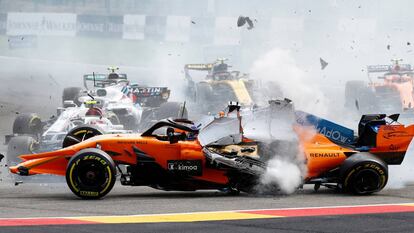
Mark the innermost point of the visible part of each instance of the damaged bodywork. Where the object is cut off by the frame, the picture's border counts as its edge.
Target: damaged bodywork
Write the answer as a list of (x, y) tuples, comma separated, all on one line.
[(216, 154)]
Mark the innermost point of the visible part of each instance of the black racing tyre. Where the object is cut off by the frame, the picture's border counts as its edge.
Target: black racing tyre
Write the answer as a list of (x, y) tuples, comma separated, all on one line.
[(29, 123), (71, 93), (146, 115), (147, 119), (175, 110), (365, 178), (113, 118), (19, 145), (130, 122), (204, 96), (80, 134), (91, 173)]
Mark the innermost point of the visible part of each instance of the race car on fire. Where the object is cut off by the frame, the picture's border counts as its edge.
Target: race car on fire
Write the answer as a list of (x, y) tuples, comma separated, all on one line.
[(215, 154)]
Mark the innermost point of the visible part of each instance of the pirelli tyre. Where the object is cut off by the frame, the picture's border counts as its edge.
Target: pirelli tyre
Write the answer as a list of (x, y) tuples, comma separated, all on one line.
[(204, 97), (365, 177), (171, 109), (28, 123), (71, 93), (91, 173), (113, 118), (80, 134), (19, 145)]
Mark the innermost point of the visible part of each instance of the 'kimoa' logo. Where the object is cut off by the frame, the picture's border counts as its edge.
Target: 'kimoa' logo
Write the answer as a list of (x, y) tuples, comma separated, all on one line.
[(183, 167), (170, 166), (333, 134)]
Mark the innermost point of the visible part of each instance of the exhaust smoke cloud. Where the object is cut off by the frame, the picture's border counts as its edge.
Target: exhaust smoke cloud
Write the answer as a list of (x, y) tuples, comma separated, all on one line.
[(280, 67), (286, 166)]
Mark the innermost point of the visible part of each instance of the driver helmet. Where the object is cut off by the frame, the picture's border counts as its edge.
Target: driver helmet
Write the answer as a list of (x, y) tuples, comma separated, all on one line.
[(94, 112), (112, 76), (220, 68)]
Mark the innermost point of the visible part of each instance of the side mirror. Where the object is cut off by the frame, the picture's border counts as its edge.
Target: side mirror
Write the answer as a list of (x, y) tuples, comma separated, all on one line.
[(69, 103)]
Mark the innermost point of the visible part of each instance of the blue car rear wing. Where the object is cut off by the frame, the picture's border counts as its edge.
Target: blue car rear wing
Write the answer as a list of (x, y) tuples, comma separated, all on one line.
[(331, 130)]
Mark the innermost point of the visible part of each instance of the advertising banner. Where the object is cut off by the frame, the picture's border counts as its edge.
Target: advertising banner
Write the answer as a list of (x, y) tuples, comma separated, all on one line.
[(3, 24), (178, 28), (155, 27), (22, 41), (50, 24), (100, 26), (134, 27)]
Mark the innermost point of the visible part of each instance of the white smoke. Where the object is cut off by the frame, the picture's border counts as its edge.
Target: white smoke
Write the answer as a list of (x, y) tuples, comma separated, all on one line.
[(286, 166), (286, 174), (279, 66)]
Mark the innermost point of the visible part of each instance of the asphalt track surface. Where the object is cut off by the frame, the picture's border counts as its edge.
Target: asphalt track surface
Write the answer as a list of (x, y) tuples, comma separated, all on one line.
[(54, 200), (395, 222)]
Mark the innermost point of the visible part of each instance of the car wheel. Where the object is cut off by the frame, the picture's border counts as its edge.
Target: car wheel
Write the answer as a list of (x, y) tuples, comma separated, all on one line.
[(27, 124), (71, 93), (204, 97), (175, 110), (113, 118), (171, 109), (80, 134), (19, 145), (91, 174), (365, 178)]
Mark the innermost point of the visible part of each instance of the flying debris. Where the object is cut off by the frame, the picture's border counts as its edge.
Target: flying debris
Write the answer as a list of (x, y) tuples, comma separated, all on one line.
[(388, 47), (193, 22), (357, 105), (242, 21), (323, 63), (18, 182)]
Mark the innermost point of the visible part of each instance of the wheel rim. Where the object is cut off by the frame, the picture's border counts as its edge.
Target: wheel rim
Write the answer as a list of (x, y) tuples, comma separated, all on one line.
[(35, 125), (79, 136), (91, 174), (366, 181)]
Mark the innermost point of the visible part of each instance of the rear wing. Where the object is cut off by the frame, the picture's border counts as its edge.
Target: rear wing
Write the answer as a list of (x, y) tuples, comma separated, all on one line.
[(101, 80), (140, 91), (147, 96), (207, 66), (200, 67), (389, 68)]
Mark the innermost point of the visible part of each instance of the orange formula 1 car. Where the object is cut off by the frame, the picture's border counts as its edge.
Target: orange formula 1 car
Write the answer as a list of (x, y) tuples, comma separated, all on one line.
[(181, 155), (391, 92)]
